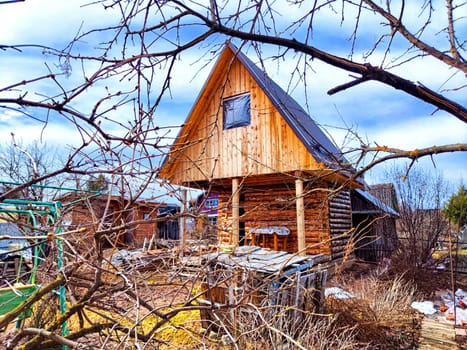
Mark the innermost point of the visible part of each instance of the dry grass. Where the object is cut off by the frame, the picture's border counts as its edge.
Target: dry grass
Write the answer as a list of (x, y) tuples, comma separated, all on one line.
[(285, 328), (380, 312), (378, 317)]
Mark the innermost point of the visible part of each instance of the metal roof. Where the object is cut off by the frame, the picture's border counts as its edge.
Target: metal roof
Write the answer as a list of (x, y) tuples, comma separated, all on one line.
[(263, 260), (376, 202)]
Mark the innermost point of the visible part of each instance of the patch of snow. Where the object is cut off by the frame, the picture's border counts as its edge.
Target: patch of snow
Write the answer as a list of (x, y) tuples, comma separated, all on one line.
[(425, 307), (337, 293)]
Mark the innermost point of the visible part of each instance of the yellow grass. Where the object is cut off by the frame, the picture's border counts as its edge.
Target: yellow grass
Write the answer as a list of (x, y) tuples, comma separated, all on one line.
[(183, 331)]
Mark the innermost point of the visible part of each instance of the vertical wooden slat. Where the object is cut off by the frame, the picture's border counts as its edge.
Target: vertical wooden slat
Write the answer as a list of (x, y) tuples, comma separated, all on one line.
[(300, 217), (235, 211)]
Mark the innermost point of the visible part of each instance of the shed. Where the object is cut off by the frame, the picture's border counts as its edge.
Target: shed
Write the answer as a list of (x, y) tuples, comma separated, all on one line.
[(139, 216), (273, 169), (167, 225), (374, 219)]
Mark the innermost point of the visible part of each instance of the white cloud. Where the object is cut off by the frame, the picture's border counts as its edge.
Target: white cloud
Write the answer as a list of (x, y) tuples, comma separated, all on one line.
[(9, 116), (50, 21), (52, 134), (421, 132), (380, 113)]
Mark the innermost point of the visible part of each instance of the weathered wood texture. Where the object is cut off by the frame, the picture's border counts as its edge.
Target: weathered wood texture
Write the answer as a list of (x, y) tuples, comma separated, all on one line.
[(275, 206), (385, 193), (437, 335), (205, 151), (284, 285), (340, 223), (375, 231)]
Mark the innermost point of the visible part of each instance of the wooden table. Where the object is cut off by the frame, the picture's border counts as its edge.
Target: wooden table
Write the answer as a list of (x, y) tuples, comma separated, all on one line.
[(276, 231)]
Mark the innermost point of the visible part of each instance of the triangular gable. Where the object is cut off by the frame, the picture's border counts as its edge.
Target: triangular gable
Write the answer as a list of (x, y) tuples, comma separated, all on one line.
[(308, 135)]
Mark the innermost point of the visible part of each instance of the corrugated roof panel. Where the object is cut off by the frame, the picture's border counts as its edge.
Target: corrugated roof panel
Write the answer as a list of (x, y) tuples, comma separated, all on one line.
[(375, 201)]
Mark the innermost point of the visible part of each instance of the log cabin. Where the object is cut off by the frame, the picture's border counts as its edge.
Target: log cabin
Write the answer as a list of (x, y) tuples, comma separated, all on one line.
[(281, 183)]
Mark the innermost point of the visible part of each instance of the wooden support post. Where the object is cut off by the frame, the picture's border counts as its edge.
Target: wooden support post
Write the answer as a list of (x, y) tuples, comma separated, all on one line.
[(300, 204), (182, 223), (276, 243), (235, 211)]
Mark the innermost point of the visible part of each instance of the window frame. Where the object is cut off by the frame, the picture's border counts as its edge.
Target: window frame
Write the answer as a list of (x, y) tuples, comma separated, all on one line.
[(236, 116)]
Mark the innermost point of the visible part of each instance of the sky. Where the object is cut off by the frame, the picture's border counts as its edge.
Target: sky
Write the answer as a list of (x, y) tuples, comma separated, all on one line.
[(378, 113)]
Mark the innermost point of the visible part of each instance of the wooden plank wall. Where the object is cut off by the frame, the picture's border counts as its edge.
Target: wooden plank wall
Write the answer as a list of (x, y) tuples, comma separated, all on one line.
[(204, 150), (274, 205), (340, 223)]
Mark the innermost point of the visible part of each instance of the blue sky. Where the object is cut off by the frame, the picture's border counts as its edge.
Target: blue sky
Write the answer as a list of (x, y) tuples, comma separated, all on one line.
[(378, 113)]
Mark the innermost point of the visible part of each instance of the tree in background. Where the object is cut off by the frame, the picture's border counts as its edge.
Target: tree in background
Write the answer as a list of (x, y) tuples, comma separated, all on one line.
[(422, 195), (145, 42), (97, 184), (456, 209), (22, 163)]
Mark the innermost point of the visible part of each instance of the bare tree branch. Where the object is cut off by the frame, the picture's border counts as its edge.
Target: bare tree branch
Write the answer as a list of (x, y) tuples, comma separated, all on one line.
[(455, 61)]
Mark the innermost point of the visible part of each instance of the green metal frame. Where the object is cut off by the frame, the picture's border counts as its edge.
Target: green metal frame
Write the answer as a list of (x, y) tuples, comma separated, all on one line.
[(10, 298)]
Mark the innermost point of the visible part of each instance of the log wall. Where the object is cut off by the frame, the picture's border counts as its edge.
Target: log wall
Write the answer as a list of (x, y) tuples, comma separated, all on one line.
[(340, 223), (275, 206)]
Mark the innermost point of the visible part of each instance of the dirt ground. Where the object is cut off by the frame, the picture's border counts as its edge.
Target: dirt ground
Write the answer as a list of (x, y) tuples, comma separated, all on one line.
[(167, 288)]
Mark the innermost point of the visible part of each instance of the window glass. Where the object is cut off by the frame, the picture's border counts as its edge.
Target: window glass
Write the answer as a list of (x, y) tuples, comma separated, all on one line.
[(211, 203), (212, 220), (237, 111)]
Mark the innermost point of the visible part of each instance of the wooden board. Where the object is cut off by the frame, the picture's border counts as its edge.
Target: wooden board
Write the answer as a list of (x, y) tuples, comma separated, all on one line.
[(437, 335)]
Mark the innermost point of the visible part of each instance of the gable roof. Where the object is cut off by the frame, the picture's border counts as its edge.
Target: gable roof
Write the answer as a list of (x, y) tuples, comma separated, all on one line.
[(311, 135), (312, 141)]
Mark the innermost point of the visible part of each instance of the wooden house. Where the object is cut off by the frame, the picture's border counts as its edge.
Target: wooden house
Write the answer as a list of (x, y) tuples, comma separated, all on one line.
[(138, 219), (280, 181)]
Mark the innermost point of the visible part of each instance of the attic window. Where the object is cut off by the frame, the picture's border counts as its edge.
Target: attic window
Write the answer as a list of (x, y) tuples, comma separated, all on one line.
[(236, 111)]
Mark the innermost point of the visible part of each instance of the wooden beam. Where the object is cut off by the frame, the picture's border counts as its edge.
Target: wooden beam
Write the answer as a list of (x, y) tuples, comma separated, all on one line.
[(300, 204), (235, 211), (182, 222)]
